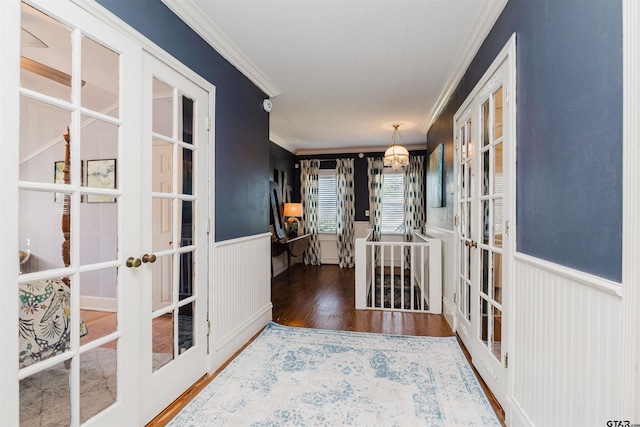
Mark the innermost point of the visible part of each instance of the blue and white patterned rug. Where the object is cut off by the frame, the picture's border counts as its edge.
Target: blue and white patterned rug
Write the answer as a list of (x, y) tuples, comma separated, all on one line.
[(310, 377)]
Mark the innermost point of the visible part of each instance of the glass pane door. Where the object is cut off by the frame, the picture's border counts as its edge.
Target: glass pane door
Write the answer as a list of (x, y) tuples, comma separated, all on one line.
[(69, 209)]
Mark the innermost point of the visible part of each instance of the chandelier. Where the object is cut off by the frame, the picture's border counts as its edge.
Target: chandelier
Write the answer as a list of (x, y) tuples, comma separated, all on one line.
[(396, 155)]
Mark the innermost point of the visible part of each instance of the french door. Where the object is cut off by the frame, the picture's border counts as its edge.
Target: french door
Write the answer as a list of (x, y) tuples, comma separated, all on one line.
[(484, 142), (175, 211), (111, 223)]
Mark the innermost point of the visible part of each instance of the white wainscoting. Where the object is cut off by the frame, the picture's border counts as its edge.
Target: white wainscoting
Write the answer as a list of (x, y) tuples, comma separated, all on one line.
[(565, 361), (240, 294), (448, 271)]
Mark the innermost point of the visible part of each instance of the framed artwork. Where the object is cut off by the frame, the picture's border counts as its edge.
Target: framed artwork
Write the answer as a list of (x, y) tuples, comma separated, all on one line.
[(435, 177), (101, 174)]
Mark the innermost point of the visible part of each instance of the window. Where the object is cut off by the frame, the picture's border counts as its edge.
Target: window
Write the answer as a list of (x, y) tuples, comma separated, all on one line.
[(392, 203), (327, 202)]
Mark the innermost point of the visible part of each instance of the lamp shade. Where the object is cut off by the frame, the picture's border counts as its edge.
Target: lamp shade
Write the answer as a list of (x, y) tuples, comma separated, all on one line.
[(293, 209), (396, 156)]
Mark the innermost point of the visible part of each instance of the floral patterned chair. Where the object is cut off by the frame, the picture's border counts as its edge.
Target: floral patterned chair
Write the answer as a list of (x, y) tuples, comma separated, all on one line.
[(44, 320)]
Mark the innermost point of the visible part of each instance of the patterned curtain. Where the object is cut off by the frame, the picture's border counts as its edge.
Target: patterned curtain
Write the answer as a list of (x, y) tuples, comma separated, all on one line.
[(414, 215), (375, 172), (345, 212), (309, 194)]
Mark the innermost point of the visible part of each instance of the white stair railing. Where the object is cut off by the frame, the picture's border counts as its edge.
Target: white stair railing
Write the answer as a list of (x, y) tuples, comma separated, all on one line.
[(415, 285)]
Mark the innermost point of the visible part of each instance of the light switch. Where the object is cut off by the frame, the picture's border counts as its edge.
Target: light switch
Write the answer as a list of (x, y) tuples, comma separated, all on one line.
[(366, 213)]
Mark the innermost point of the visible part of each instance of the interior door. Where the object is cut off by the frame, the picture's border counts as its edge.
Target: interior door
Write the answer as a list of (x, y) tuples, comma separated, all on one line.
[(77, 219), (482, 140), (174, 205)]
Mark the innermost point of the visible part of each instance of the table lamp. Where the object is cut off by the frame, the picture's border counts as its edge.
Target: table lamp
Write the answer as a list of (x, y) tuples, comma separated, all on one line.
[(293, 211)]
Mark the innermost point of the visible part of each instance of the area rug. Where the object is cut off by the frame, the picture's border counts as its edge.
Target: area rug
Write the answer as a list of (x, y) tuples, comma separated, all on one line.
[(397, 293), (309, 377)]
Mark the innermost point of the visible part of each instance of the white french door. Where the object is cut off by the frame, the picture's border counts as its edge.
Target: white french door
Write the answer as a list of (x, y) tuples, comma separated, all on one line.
[(485, 139), (174, 234), (111, 222)]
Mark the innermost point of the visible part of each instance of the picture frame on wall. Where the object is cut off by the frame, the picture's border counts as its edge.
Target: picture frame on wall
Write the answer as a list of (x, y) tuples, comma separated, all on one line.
[(100, 174), (435, 177)]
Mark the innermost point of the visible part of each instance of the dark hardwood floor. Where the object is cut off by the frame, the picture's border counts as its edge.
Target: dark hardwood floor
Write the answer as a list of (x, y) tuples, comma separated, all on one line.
[(323, 297)]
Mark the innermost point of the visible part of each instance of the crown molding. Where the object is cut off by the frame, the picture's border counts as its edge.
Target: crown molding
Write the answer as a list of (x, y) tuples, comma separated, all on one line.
[(476, 37), (210, 32), (276, 139)]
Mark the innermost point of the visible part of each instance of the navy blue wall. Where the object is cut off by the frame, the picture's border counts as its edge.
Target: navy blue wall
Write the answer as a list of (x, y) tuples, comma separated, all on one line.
[(569, 101), (242, 127)]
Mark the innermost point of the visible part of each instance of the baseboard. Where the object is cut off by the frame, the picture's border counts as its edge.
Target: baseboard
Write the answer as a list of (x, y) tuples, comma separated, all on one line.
[(515, 416), (448, 311), (233, 342), (98, 304)]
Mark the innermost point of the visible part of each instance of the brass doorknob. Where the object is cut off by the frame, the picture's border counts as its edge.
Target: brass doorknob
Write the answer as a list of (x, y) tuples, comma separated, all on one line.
[(133, 262), (149, 258), (473, 244)]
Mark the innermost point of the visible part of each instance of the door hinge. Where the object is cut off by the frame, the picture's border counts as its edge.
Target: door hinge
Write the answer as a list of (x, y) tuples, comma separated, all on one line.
[(455, 220), (506, 94), (455, 297), (208, 225), (506, 227), (506, 360), (208, 327), (455, 144), (208, 122)]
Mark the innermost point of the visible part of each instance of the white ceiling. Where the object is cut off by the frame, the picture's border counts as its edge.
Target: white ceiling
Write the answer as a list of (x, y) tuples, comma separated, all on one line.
[(341, 71)]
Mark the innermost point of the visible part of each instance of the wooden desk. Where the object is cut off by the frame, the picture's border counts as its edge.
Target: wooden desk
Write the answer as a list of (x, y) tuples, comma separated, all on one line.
[(293, 246)]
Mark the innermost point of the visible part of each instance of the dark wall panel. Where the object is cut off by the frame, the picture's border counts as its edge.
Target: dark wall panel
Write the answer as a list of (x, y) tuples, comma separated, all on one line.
[(569, 158), (241, 126)]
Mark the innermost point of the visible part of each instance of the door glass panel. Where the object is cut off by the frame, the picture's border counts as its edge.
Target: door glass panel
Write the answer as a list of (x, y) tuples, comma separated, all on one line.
[(497, 277), (162, 108), (100, 85), (468, 299), (99, 234), (485, 124), (99, 147), (186, 129), (162, 224), (485, 271), (186, 160), (469, 139), (40, 225), (484, 324), (44, 398), (98, 380), (497, 115), (485, 172), (187, 225), (185, 327), (468, 209), (99, 284), (462, 182), (42, 142), (498, 169), (162, 340), (162, 282), (162, 173), (45, 49), (485, 221), (497, 222), (497, 333), (186, 275)]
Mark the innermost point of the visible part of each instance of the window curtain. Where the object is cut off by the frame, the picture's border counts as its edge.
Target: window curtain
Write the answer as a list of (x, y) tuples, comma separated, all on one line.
[(309, 195), (414, 214), (345, 212), (375, 173)]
